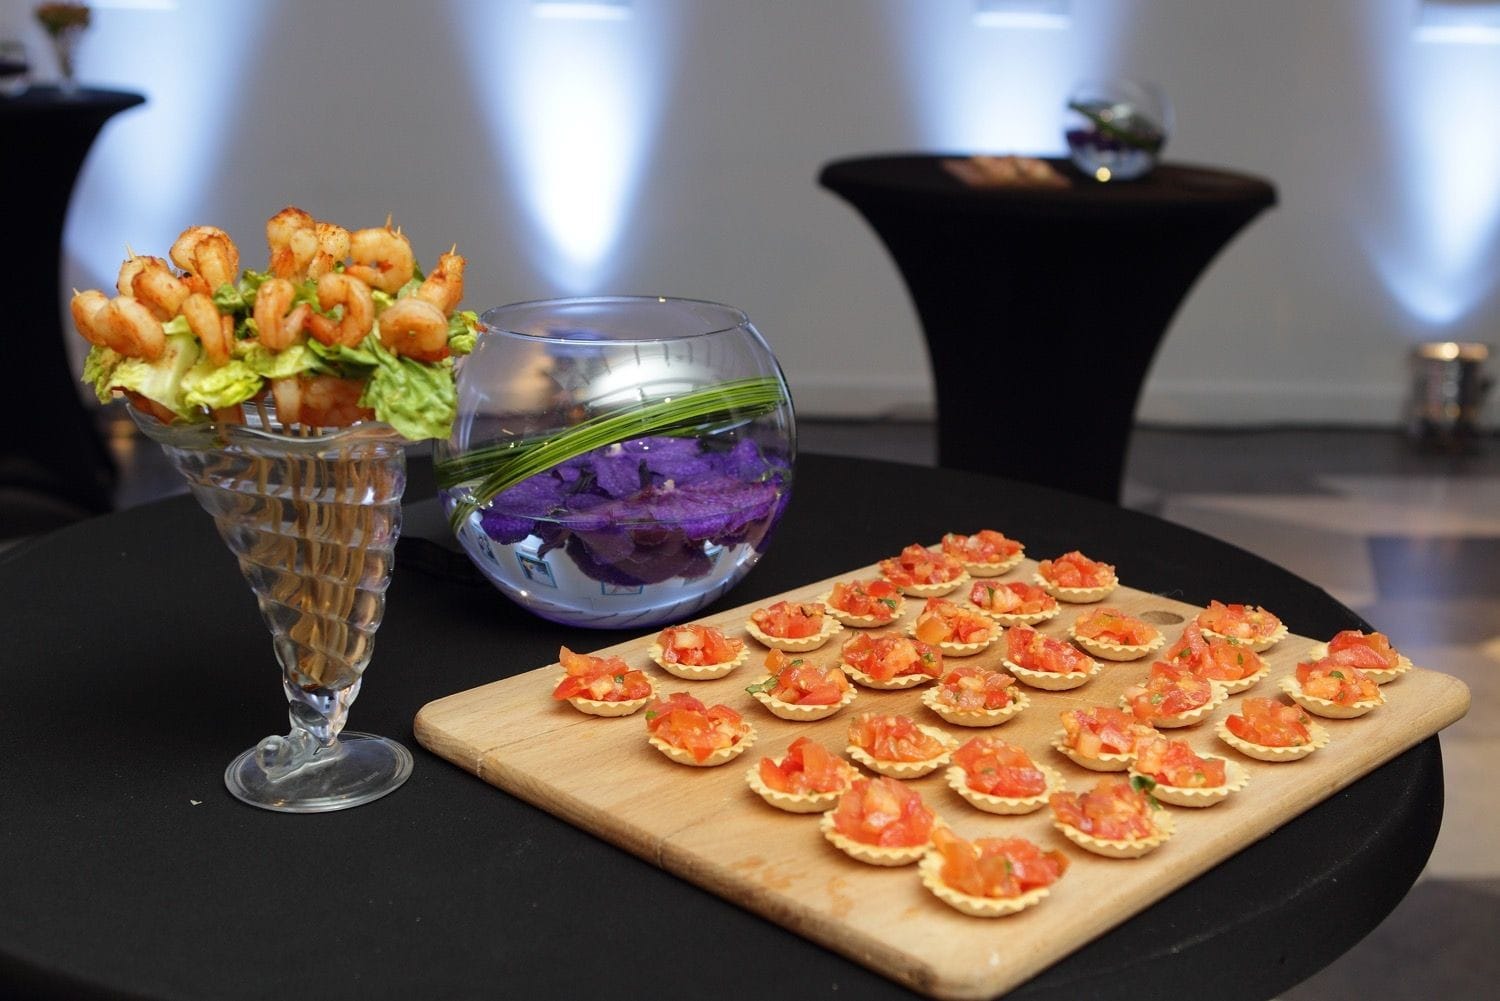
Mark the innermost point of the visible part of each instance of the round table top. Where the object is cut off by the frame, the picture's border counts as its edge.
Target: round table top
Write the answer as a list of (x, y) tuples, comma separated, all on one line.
[(922, 179), (136, 667)]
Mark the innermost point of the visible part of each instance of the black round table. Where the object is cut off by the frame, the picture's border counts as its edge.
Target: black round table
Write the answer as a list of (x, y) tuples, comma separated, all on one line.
[(46, 135), (1045, 303), (135, 665)]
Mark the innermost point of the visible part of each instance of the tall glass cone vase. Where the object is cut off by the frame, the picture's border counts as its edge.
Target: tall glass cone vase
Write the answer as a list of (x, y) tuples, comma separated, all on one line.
[(313, 520)]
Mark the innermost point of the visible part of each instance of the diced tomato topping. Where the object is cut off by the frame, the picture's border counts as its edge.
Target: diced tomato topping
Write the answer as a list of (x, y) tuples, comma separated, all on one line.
[(984, 546), (975, 688), (1113, 626), (1175, 763), (602, 679), (1244, 622), (697, 646), (1170, 690), (884, 812), (1112, 811), (1012, 598), (1076, 570), (892, 738), (790, 620), (1366, 651), (1270, 723), (919, 565), (801, 683), (808, 767), (941, 621), (1102, 730), (878, 598), (1216, 659), (886, 656), (1339, 683), (996, 867), (682, 721), (1025, 647), (997, 768)]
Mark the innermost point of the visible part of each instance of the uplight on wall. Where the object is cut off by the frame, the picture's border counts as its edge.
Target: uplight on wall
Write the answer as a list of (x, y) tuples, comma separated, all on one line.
[(571, 101), (582, 10), (1459, 22), (1044, 14)]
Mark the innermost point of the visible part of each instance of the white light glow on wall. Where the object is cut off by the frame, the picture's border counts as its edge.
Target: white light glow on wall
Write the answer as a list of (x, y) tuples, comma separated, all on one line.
[(573, 107), (579, 10), (162, 158), (1437, 251), (1459, 22), (981, 90), (1038, 14)]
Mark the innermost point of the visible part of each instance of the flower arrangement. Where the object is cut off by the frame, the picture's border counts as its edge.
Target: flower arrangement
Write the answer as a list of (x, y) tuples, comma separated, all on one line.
[(64, 24)]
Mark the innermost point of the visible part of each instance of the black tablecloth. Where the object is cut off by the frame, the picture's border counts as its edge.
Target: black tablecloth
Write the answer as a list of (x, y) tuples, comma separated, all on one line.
[(1042, 307), (135, 666)]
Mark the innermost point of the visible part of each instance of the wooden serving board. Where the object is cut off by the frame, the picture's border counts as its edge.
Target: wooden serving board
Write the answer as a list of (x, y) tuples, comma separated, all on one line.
[(705, 825)]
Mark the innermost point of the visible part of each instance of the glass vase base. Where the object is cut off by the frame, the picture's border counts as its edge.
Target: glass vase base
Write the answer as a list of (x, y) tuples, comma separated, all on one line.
[(358, 768)]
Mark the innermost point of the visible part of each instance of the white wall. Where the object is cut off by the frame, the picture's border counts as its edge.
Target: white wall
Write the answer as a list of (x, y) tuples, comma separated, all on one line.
[(353, 110)]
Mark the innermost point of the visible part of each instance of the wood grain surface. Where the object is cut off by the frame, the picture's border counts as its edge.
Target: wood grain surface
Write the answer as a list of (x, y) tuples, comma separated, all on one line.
[(705, 825)]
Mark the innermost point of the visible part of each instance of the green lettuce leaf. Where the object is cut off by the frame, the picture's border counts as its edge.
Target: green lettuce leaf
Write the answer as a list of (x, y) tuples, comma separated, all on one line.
[(161, 380), (463, 331), (416, 399), (219, 386), (295, 360), (98, 368)]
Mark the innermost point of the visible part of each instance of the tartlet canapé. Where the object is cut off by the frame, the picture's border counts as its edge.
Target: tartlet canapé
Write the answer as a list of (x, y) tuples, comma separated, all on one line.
[(793, 626), (1372, 653), (1227, 661), (968, 695), (989, 877), (955, 630), (1270, 730), (986, 553), (1046, 663), (996, 776), (924, 573), (898, 746), (888, 661), (808, 779), (880, 821), (1076, 579), (1171, 696), (1332, 690), (799, 690), (1101, 739), (691, 733), (1013, 603), (601, 686), (1109, 633), (1115, 819), (1182, 777), (1251, 625), (697, 653), (864, 604)]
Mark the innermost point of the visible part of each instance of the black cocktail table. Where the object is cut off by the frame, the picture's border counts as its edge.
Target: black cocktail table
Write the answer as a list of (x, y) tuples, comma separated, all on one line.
[(136, 665)]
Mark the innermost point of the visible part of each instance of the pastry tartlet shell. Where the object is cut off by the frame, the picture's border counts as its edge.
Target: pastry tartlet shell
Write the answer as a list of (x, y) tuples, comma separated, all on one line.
[(872, 854), (694, 672), (798, 713), (1325, 708), (1192, 716), (794, 802), (1109, 761), (1049, 681), (1161, 821), (1275, 755), (1381, 676), (685, 757), (1019, 701), (1010, 806), (831, 628), (860, 621), (1257, 644), (1236, 777), (896, 684), (907, 769), (1117, 651), (996, 568), (951, 649), (1076, 595), (931, 868)]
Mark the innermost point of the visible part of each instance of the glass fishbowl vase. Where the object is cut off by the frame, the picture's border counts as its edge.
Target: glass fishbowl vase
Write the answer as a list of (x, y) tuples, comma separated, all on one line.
[(617, 462), (1116, 129), (313, 520)]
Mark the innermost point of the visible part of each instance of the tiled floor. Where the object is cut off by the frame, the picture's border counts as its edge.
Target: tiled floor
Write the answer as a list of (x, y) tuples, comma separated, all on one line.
[(1410, 540)]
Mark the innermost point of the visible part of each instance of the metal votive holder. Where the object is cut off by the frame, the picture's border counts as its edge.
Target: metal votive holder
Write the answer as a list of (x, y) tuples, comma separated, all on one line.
[(1449, 385)]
